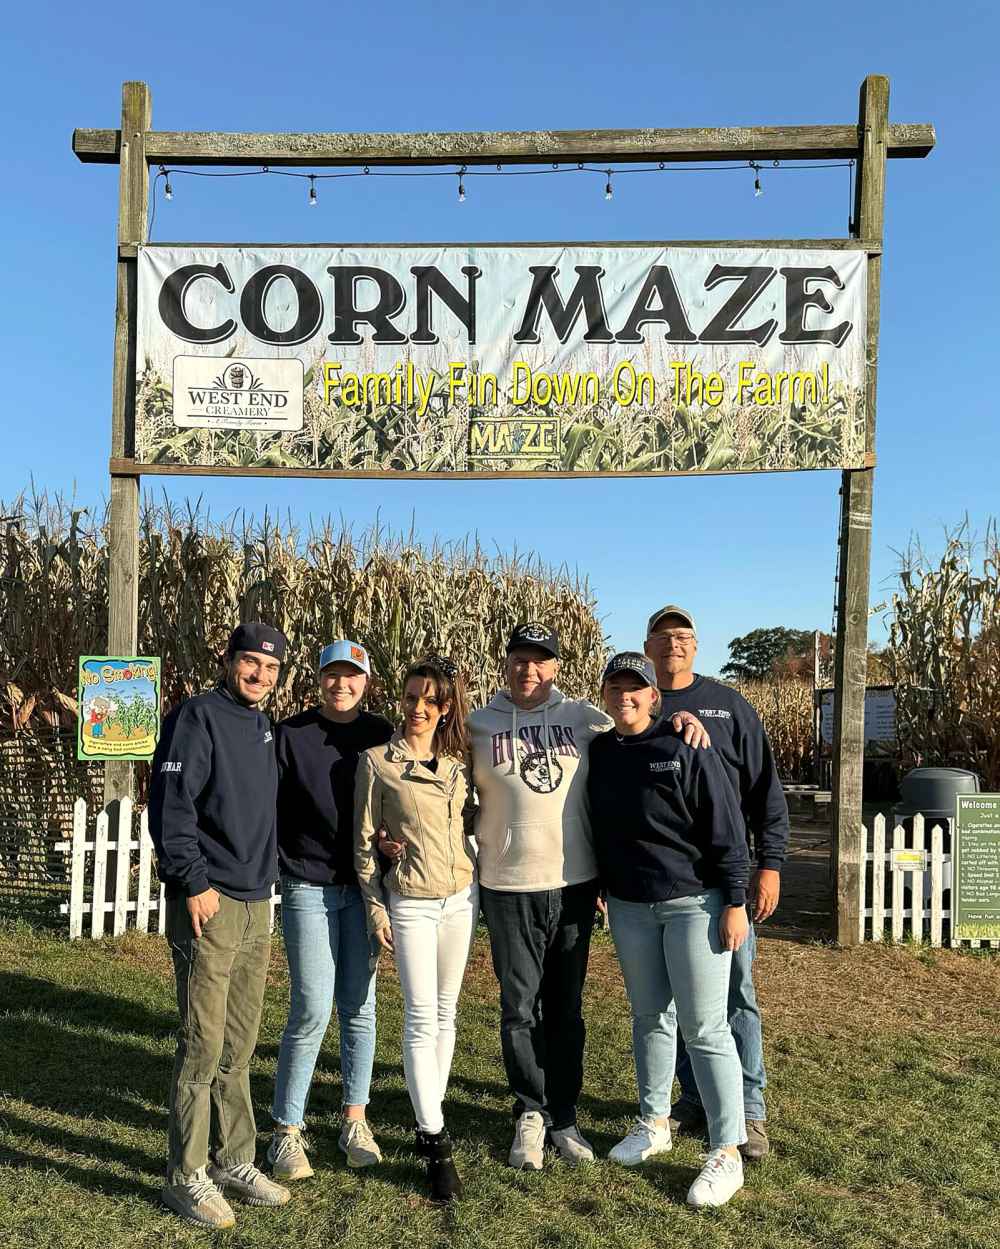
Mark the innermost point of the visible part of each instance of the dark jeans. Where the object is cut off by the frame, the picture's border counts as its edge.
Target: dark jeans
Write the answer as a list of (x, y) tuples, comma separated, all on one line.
[(744, 1020), (220, 993), (540, 943)]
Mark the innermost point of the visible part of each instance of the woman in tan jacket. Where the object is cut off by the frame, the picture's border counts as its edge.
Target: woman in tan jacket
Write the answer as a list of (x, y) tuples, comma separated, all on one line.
[(417, 789)]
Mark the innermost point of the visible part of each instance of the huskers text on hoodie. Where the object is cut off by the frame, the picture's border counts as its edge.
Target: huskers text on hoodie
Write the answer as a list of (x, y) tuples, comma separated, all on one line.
[(212, 799), (530, 772)]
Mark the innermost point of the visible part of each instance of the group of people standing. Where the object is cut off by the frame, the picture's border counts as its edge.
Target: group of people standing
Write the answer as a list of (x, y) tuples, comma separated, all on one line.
[(533, 810)]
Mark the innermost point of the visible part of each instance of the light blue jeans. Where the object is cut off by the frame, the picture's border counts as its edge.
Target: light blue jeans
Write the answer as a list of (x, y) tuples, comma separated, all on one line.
[(329, 960), (671, 955), (744, 1020)]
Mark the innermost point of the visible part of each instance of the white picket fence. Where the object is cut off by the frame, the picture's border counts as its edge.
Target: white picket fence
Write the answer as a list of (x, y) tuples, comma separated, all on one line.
[(902, 862), (130, 893), (129, 890)]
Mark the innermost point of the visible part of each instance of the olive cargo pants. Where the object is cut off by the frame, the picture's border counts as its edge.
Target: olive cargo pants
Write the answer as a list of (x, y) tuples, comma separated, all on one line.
[(220, 993)]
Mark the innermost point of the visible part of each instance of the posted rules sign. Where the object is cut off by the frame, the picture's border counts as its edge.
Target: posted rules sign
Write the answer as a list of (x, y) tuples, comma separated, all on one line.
[(977, 868)]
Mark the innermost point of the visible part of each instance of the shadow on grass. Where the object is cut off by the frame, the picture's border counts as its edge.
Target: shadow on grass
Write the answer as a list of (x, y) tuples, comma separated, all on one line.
[(51, 1055), (89, 1145), (91, 1181), (84, 1006)]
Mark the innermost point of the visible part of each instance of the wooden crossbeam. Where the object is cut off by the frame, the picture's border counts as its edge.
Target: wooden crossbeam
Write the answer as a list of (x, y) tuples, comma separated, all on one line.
[(726, 143)]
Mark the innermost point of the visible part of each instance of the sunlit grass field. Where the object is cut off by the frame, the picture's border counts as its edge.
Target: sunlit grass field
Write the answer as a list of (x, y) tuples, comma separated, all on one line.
[(884, 1104)]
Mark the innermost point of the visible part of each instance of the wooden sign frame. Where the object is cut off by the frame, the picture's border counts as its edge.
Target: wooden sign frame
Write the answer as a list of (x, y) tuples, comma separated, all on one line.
[(871, 141)]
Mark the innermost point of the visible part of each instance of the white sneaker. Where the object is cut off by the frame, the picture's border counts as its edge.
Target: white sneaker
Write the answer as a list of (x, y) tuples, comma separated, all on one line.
[(720, 1178), (571, 1146), (527, 1153), (645, 1139)]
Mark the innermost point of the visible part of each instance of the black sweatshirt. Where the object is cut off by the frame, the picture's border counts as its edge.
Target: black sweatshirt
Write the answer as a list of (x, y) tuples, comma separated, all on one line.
[(739, 739), (211, 799), (665, 819), (317, 759)]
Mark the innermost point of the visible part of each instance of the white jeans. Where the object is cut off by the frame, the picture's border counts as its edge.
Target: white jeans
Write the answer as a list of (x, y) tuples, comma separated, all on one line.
[(431, 939)]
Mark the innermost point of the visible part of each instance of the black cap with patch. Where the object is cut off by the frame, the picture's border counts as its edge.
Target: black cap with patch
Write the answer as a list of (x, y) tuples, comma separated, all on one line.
[(260, 638), (534, 634)]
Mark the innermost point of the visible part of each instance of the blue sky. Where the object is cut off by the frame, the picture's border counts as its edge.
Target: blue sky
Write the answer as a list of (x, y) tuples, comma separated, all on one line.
[(741, 552)]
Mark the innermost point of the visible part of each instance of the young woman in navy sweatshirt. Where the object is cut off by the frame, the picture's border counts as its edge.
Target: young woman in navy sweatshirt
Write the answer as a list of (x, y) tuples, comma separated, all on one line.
[(322, 911), (672, 853)]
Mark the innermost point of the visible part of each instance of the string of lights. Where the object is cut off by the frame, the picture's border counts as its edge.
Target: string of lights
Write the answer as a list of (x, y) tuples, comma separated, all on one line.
[(463, 173)]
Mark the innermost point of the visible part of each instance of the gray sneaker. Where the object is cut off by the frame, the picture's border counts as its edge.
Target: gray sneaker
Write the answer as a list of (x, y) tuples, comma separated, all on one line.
[(571, 1145), (249, 1185), (757, 1145), (357, 1142), (527, 1153), (197, 1200), (286, 1155)]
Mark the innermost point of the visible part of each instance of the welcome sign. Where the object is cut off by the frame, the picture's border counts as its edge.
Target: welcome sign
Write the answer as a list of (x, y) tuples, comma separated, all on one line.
[(546, 358)]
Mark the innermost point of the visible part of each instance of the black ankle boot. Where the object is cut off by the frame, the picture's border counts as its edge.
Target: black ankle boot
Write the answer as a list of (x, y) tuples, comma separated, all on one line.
[(445, 1182)]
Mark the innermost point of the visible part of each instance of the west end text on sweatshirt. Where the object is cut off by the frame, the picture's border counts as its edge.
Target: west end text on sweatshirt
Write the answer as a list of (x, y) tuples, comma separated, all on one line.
[(666, 820), (739, 739)]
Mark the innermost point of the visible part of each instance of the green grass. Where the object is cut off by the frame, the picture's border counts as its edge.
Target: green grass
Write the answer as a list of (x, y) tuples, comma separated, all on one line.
[(884, 1105)]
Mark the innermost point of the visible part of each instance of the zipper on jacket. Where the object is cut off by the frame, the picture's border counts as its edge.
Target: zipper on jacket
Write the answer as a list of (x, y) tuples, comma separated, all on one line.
[(451, 844)]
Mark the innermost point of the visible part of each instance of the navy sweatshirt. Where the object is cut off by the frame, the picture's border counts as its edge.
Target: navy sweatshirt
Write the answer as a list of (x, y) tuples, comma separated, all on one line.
[(317, 760), (211, 799), (665, 818), (739, 739)]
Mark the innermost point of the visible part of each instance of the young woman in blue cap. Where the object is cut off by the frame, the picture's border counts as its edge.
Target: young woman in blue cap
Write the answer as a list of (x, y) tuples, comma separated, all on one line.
[(673, 858), (322, 911)]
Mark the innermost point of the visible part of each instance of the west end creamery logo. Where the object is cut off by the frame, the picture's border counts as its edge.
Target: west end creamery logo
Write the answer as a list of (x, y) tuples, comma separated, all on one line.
[(210, 393)]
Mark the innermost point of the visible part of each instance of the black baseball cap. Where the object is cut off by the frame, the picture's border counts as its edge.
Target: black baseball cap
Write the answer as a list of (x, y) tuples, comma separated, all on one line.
[(534, 634), (260, 638), (631, 661)]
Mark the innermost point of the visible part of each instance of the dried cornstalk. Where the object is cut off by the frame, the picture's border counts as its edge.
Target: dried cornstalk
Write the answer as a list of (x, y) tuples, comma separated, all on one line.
[(944, 655), (785, 707), (199, 577)]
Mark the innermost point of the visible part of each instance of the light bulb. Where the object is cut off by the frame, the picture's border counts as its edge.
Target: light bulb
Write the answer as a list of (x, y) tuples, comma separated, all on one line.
[(608, 189), (168, 190), (758, 190), (312, 193), (461, 191)]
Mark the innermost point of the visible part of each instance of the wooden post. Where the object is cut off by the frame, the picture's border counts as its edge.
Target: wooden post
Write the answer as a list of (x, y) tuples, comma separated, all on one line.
[(851, 660), (123, 546)]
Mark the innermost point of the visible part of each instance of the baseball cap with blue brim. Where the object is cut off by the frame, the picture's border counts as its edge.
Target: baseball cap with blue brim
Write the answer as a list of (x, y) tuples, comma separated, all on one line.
[(345, 652)]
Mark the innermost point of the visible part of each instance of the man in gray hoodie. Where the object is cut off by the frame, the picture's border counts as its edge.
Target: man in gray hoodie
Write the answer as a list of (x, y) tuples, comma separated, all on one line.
[(538, 884)]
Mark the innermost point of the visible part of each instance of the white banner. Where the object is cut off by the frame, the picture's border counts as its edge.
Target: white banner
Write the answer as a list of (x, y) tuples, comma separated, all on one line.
[(614, 358)]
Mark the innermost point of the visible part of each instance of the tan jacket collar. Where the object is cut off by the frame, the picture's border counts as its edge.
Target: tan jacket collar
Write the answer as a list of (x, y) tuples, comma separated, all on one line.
[(399, 751)]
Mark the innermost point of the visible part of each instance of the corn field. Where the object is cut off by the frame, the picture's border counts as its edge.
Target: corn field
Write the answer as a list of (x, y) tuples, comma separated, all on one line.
[(785, 706), (199, 577), (944, 655)]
